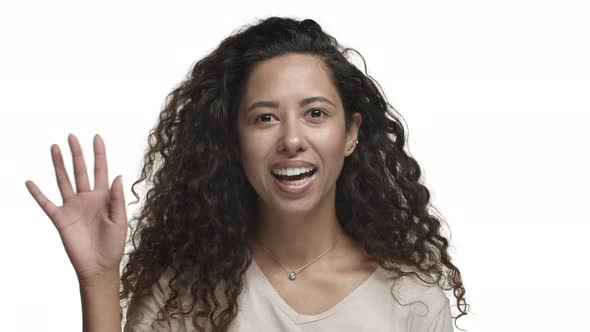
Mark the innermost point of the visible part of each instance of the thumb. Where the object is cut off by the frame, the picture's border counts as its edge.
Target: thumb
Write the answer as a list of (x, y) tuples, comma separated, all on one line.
[(117, 208)]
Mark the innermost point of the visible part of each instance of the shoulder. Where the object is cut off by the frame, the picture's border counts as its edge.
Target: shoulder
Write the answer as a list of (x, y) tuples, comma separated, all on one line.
[(417, 288), (421, 299), (144, 306)]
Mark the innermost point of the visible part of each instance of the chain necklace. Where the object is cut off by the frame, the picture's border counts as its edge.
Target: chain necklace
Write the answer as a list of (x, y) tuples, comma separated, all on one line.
[(293, 274)]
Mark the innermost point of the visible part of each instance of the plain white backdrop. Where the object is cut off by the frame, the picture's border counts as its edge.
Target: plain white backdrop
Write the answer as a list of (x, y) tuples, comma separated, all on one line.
[(495, 94)]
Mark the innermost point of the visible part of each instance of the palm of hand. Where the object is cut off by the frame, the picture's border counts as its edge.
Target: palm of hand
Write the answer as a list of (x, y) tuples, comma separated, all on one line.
[(96, 242), (92, 223)]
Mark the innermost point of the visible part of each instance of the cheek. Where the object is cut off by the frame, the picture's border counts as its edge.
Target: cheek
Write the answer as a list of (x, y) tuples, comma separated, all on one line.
[(330, 148), (332, 142)]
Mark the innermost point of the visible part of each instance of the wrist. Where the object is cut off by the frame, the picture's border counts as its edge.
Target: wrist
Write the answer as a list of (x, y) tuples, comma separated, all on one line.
[(102, 281)]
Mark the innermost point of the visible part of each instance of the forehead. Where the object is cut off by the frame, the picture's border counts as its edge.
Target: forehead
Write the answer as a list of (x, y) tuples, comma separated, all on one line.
[(292, 76)]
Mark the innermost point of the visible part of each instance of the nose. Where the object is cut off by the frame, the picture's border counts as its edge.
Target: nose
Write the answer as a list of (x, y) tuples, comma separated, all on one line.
[(291, 139)]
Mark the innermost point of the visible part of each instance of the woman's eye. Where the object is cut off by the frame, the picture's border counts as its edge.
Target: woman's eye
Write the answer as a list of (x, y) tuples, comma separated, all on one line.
[(316, 112), (265, 116)]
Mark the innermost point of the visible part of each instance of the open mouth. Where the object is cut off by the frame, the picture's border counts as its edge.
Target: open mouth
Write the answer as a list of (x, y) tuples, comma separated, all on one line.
[(287, 178)]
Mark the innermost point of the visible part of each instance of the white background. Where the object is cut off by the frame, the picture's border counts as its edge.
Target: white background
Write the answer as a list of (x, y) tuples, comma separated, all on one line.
[(495, 94)]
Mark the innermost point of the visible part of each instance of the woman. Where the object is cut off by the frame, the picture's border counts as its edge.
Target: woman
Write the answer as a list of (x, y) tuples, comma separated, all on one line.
[(280, 198)]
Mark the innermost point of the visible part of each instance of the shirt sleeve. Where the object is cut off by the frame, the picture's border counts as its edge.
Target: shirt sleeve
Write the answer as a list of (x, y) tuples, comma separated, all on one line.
[(443, 322)]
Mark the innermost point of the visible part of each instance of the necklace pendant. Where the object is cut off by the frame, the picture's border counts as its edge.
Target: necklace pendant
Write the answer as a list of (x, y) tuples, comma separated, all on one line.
[(292, 275)]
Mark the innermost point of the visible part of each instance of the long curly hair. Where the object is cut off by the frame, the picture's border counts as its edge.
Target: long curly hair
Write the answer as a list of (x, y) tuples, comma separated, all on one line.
[(200, 210)]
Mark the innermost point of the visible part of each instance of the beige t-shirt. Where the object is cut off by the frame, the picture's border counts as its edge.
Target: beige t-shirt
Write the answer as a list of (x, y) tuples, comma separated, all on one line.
[(369, 307)]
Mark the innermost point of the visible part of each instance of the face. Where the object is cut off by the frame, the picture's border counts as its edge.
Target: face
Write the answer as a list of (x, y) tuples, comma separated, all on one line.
[(275, 124)]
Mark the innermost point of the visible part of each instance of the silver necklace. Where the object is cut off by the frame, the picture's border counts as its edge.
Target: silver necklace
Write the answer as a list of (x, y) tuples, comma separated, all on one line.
[(293, 274)]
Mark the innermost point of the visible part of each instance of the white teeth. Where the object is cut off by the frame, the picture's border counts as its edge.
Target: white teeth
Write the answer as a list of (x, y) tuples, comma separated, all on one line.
[(292, 171)]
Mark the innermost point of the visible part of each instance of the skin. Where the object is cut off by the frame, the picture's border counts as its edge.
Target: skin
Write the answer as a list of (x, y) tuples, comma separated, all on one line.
[(298, 228), (92, 224)]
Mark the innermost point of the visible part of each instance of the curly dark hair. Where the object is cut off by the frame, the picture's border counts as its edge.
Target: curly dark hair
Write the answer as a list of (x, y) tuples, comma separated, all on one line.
[(200, 210)]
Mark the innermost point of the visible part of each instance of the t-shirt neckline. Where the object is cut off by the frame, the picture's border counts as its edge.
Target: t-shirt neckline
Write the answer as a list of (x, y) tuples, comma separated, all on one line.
[(298, 318)]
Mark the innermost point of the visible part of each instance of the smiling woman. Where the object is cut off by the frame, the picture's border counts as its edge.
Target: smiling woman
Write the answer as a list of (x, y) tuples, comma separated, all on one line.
[(301, 134), (281, 198)]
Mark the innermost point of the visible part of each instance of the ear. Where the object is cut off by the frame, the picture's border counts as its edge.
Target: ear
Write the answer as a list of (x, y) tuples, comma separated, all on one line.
[(352, 134)]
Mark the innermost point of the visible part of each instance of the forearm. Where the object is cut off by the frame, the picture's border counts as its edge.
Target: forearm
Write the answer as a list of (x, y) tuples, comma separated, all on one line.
[(101, 310)]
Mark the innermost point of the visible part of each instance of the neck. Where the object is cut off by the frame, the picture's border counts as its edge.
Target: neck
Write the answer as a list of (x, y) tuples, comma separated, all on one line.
[(296, 240)]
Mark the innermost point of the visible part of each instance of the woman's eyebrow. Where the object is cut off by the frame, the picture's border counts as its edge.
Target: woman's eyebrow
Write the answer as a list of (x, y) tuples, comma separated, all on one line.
[(275, 104)]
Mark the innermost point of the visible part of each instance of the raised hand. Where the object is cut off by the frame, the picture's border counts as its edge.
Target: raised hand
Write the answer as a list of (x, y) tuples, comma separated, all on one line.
[(92, 223)]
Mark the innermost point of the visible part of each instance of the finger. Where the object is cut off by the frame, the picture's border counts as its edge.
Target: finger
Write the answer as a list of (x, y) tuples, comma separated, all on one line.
[(101, 174), (61, 175), (80, 172), (118, 211), (46, 205)]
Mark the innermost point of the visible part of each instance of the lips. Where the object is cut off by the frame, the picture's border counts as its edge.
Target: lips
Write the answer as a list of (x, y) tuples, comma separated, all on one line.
[(297, 189), (289, 187)]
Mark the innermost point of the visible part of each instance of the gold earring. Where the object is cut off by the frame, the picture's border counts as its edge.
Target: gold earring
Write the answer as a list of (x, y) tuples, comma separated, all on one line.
[(357, 142)]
